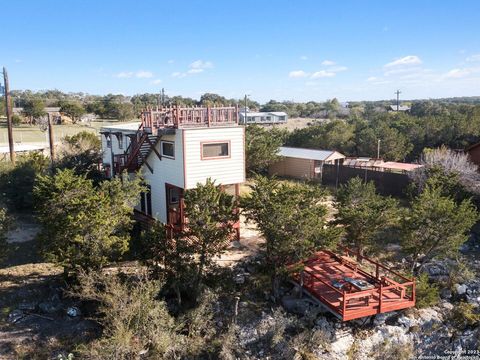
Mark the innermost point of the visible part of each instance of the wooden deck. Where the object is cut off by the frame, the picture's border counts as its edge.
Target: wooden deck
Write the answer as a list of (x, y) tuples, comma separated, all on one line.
[(350, 292)]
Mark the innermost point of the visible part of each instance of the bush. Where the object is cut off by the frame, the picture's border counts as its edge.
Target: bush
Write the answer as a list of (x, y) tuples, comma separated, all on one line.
[(16, 120), (16, 183), (465, 314), (427, 294)]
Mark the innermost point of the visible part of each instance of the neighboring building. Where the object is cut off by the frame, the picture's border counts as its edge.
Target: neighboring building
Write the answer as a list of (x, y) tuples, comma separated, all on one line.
[(474, 153), (273, 117), (54, 113), (299, 163), (379, 165), (402, 108), (175, 149)]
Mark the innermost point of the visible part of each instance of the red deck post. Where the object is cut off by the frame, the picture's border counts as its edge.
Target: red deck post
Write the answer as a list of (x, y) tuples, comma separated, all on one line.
[(344, 308), (380, 298)]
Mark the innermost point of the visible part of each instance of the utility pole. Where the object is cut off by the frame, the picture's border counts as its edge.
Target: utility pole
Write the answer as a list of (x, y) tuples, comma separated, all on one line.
[(378, 148), (245, 115), (50, 138), (398, 92), (8, 106)]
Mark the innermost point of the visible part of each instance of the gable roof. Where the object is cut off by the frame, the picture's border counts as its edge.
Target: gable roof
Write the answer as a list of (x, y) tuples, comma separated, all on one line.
[(309, 154)]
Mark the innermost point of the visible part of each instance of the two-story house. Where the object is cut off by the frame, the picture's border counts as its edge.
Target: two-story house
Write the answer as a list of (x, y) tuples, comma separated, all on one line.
[(176, 148)]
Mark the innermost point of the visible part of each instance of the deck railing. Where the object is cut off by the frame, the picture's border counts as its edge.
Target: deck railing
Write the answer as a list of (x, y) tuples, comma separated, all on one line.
[(177, 117), (381, 294)]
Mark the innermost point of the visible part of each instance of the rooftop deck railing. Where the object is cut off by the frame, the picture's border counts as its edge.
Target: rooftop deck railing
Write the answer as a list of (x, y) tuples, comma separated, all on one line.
[(178, 117)]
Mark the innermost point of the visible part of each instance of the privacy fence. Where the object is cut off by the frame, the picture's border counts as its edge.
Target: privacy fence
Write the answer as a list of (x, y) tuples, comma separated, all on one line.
[(387, 183)]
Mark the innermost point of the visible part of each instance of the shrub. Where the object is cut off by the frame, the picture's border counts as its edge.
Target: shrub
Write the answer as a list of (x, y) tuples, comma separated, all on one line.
[(16, 120), (427, 294), (465, 314)]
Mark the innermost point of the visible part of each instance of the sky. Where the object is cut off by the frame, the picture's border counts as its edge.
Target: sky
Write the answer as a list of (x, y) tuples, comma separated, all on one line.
[(284, 50)]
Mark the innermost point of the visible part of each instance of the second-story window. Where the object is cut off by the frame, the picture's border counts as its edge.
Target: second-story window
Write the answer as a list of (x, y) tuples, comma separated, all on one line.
[(215, 150), (168, 149), (108, 137)]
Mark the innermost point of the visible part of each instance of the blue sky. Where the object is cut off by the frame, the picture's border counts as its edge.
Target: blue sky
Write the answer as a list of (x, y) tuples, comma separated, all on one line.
[(284, 50)]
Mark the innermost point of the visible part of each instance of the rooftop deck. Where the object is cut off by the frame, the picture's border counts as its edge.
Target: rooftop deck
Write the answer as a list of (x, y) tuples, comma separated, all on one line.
[(348, 291), (183, 117)]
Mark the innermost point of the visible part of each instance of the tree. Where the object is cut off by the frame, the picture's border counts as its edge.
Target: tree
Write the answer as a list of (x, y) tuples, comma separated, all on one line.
[(332, 107), (81, 152), (4, 226), (364, 214), (211, 215), (455, 170), (262, 147), (16, 183), (84, 227), (436, 226), (34, 109), (293, 220), (74, 110)]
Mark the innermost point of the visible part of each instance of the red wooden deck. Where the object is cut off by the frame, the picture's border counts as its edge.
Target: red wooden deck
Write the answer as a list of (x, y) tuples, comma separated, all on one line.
[(388, 290)]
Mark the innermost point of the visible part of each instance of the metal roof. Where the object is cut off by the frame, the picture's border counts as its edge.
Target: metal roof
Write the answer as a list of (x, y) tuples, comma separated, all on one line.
[(21, 148), (125, 127), (257, 113), (309, 154), (398, 166)]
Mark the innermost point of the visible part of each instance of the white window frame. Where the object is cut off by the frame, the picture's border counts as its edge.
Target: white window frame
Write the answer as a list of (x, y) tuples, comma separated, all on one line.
[(161, 149)]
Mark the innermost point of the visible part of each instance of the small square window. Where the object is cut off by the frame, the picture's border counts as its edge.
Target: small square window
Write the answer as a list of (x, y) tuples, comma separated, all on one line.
[(120, 141), (168, 149)]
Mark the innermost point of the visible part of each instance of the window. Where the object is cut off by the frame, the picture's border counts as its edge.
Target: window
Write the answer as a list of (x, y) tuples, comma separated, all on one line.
[(168, 149), (215, 150), (109, 140), (146, 201), (173, 195), (120, 140)]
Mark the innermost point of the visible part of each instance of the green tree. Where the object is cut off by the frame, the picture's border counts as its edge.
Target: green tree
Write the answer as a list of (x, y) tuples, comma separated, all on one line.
[(211, 215), (34, 109), (4, 226), (74, 110), (332, 107), (293, 220), (262, 147), (436, 226), (16, 183), (84, 227), (365, 214), (81, 152)]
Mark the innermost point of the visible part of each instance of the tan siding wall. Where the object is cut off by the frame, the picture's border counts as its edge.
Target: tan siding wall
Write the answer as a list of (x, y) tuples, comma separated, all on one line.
[(225, 171), (293, 167)]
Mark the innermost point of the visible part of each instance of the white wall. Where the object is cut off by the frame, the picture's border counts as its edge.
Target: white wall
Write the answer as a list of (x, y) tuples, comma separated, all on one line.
[(107, 152), (164, 171), (225, 171)]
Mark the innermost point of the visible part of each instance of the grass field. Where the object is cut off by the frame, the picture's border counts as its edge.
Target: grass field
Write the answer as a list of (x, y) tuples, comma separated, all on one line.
[(33, 134)]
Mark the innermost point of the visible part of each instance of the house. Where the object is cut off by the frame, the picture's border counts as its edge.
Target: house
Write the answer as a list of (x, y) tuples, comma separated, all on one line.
[(380, 165), (54, 113), (272, 117), (401, 108), (299, 163), (474, 153), (176, 148)]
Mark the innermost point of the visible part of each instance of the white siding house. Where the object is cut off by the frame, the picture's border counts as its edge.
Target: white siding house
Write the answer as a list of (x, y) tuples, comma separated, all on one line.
[(272, 117), (176, 157)]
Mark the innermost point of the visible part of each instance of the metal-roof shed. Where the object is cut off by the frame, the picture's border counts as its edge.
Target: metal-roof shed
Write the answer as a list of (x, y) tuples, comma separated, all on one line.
[(310, 154)]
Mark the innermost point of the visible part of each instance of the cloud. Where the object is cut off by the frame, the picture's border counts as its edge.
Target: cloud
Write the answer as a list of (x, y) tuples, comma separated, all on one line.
[(142, 74), (406, 60), (323, 74), (328, 63), (156, 81), (196, 67), (171, 61), (195, 71), (124, 75), (303, 57), (458, 73), (200, 64), (372, 78), (473, 58), (18, 61), (297, 74), (178, 74), (338, 68)]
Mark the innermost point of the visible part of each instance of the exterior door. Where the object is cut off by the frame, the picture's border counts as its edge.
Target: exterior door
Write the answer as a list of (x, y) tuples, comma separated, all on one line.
[(174, 195)]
